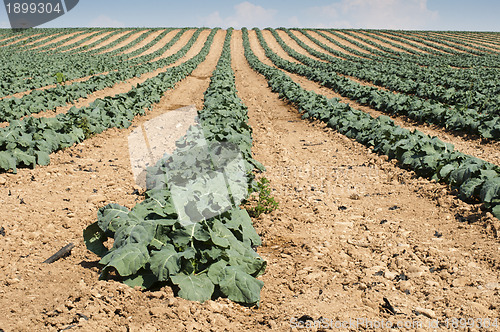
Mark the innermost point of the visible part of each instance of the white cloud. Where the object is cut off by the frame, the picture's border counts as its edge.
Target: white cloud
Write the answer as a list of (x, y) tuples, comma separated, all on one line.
[(104, 21), (374, 14), (245, 14), (213, 20)]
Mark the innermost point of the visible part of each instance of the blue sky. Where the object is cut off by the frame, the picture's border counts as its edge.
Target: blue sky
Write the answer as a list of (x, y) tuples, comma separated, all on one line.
[(477, 15)]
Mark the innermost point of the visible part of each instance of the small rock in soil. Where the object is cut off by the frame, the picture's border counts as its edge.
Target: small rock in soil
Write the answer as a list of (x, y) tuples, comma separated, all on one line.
[(2, 180), (2, 231), (432, 283), (460, 218), (426, 312), (492, 286), (414, 272), (172, 302), (354, 197), (387, 306), (95, 199), (390, 275), (305, 318), (401, 276), (460, 282)]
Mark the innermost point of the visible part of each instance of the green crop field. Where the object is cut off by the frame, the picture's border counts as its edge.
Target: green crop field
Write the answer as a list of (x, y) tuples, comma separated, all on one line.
[(424, 102)]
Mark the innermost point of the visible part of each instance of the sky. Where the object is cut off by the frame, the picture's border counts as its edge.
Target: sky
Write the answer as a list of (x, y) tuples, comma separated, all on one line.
[(472, 15)]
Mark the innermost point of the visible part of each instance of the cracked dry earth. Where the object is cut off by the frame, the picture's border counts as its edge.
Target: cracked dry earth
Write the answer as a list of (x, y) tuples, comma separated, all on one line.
[(352, 229)]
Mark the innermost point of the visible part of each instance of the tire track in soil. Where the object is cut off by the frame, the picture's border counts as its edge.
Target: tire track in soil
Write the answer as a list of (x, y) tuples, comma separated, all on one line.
[(339, 241), (127, 85), (484, 149), (80, 179)]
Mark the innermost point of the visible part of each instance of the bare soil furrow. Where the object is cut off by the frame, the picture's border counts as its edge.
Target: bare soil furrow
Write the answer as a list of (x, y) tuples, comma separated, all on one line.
[(335, 47), (78, 181), (356, 240), (168, 37), (177, 46), (387, 45), (363, 42), (424, 37), (388, 36), (289, 41), (346, 43), (483, 149), (109, 41), (121, 87), (475, 42), (125, 42), (146, 40), (310, 43), (91, 40), (20, 40), (353, 229), (77, 39), (56, 40)]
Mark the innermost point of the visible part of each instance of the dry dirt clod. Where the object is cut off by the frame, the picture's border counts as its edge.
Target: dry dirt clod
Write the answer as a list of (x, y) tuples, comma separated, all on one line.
[(426, 312)]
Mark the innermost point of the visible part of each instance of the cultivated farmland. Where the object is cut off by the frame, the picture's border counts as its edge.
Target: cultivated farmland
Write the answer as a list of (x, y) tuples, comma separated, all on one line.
[(381, 149)]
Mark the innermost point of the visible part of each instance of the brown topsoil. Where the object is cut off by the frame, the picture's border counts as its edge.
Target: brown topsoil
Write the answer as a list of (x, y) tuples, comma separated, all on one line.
[(356, 239)]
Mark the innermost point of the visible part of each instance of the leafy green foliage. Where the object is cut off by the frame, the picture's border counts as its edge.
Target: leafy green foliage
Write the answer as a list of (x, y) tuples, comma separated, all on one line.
[(72, 60), (60, 78), (427, 156), (265, 202), (154, 246), (40, 100), (482, 121), (26, 139)]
